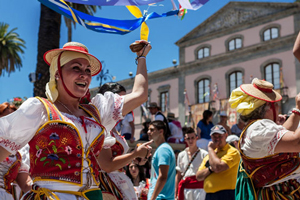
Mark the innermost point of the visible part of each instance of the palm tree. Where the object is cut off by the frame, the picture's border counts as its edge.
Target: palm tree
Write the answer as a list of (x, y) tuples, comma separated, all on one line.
[(48, 38), (49, 35), (10, 47)]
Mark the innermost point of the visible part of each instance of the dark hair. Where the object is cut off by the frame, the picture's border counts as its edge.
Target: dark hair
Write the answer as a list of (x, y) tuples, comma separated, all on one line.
[(111, 87), (258, 113), (206, 114), (160, 125), (189, 130), (141, 172), (6, 105)]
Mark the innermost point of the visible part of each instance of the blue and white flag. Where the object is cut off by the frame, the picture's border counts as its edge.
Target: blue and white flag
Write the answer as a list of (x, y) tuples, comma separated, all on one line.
[(102, 24), (115, 2)]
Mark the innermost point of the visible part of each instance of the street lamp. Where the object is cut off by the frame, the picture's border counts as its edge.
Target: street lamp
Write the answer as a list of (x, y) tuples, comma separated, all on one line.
[(174, 61), (104, 75)]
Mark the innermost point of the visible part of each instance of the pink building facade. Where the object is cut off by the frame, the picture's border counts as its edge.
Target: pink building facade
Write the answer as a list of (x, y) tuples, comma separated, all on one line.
[(241, 41)]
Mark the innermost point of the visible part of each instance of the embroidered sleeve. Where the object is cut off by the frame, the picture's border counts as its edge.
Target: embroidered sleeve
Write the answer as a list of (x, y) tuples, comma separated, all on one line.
[(17, 129), (110, 107), (261, 138), (277, 137)]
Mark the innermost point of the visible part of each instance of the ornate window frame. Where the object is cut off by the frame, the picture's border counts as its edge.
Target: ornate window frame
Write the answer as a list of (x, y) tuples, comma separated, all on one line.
[(164, 89), (262, 31), (202, 47), (197, 80), (238, 36), (227, 77), (268, 62)]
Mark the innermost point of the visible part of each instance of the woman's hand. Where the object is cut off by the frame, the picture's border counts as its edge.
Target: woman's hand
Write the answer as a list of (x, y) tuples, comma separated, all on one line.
[(144, 150), (145, 50)]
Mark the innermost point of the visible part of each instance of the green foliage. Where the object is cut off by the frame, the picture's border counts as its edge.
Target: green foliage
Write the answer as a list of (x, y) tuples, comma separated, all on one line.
[(10, 47)]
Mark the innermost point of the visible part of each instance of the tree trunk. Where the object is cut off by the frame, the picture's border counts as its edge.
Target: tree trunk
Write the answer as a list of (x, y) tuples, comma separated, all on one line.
[(70, 32), (48, 38)]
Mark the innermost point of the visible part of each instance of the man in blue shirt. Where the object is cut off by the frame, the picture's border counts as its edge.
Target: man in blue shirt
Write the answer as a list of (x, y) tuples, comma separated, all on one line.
[(162, 181)]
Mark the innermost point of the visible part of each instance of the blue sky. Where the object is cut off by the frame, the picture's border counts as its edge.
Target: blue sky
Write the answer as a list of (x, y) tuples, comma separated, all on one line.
[(112, 49)]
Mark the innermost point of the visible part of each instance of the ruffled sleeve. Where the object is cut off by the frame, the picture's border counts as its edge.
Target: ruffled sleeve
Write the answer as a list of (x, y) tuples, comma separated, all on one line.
[(18, 128), (110, 106), (25, 165), (261, 138)]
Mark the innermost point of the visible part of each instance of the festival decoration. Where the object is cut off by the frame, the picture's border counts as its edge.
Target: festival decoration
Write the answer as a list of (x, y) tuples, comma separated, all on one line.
[(115, 2), (216, 92), (185, 4), (102, 24), (194, 5)]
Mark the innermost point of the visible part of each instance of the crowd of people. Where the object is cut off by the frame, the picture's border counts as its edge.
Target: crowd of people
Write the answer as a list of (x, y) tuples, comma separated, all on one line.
[(70, 147)]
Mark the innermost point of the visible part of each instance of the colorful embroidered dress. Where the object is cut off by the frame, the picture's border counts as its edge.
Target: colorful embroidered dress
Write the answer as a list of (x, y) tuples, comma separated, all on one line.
[(273, 175), (63, 147), (120, 179), (9, 169)]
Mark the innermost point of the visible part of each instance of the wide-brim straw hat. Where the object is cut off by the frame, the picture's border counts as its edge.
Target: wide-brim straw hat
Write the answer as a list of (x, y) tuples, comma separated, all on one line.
[(261, 89), (95, 64)]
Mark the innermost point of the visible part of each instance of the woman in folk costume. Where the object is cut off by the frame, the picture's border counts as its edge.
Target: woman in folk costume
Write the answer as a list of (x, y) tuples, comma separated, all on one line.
[(14, 170), (70, 142), (270, 152), (116, 182)]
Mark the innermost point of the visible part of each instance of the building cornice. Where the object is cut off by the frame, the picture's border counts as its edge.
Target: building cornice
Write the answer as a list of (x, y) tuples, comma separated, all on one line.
[(191, 38)]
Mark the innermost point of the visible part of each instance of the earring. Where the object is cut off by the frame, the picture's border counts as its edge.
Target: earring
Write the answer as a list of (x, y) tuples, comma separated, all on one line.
[(56, 78)]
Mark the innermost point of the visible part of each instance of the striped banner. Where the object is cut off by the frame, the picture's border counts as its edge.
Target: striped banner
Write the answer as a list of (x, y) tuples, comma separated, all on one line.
[(102, 24), (115, 2)]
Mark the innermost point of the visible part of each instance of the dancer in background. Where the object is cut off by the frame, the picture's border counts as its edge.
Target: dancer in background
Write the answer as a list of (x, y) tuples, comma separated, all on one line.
[(14, 171)]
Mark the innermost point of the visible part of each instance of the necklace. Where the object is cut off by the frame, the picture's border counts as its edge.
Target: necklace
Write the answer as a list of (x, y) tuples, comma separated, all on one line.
[(66, 107)]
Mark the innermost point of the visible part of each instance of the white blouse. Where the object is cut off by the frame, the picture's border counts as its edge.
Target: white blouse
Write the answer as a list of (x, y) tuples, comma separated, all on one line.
[(260, 140), (18, 128)]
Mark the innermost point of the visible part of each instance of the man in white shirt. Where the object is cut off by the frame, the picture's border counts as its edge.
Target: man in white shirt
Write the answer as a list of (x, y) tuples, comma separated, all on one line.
[(186, 185)]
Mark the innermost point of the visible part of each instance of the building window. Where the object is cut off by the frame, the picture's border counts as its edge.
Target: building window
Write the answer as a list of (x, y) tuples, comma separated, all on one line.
[(235, 43), (235, 80), (272, 74), (164, 101), (270, 34), (203, 88), (203, 52)]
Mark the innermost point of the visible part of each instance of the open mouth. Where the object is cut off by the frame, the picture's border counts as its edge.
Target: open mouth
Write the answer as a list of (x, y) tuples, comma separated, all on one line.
[(81, 84)]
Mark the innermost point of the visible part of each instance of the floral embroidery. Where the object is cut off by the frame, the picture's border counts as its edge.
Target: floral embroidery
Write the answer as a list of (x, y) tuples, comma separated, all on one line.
[(54, 154), (12, 145), (38, 153), (117, 108), (54, 136), (68, 150), (275, 140)]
